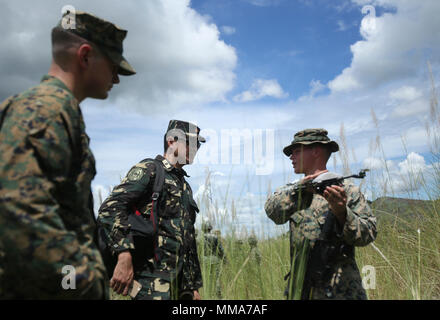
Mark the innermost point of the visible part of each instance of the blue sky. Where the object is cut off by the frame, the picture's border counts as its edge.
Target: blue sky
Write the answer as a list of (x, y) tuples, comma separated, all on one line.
[(257, 66), (292, 41)]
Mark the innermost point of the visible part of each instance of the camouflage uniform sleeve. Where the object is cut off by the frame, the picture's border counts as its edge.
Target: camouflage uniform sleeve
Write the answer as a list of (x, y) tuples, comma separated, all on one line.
[(282, 204), (360, 225), (36, 238), (114, 211)]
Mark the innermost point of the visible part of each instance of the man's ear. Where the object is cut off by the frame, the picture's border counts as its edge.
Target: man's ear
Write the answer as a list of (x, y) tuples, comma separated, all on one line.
[(83, 54), (170, 142)]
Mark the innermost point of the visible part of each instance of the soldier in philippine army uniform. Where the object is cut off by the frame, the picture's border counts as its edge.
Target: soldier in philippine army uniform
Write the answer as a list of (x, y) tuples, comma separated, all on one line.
[(46, 168), (173, 270), (326, 227)]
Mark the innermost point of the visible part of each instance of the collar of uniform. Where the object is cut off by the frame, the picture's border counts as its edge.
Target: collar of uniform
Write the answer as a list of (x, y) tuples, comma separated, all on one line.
[(168, 166), (53, 81)]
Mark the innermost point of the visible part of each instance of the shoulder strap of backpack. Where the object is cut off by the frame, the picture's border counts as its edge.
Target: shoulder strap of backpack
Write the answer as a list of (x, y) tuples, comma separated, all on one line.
[(159, 180), (157, 190)]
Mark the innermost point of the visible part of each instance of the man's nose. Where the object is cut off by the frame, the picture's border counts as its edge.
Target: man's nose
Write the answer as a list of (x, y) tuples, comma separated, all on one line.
[(115, 77)]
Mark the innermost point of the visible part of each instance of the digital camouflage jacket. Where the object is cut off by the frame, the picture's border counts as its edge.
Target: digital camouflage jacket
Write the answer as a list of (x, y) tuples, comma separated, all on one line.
[(177, 249), (46, 205), (306, 218)]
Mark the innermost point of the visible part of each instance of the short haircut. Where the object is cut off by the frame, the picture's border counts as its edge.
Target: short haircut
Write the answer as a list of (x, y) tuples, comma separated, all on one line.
[(63, 41)]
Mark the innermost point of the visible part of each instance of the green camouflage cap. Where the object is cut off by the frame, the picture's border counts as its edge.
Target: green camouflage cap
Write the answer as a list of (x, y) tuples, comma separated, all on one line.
[(310, 136), (107, 36), (206, 226), (188, 128)]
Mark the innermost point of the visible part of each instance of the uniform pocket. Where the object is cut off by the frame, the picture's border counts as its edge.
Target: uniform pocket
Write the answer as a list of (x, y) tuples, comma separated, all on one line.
[(173, 200), (297, 218)]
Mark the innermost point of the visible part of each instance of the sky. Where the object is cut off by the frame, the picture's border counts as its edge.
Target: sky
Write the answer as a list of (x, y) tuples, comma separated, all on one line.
[(250, 74)]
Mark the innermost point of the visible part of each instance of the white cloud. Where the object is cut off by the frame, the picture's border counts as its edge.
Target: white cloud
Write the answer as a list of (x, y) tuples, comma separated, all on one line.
[(394, 178), (394, 44), (407, 109), (177, 53), (261, 88), (414, 164), (341, 25), (263, 3), (373, 163), (406, 93), (315, 87), (228, 30)]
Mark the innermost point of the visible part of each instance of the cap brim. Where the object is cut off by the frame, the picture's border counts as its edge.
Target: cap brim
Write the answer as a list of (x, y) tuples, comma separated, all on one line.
[(334, 147), (199, 138), (125, 68)]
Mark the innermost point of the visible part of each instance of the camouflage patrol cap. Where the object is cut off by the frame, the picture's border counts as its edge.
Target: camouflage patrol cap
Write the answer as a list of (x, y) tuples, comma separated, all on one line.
[(252, 240), (188, 128), (107, 36), (311, 136), (206, 226)]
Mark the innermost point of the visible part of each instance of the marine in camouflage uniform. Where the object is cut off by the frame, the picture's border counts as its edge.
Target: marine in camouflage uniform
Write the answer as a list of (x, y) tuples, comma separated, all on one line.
[(46, 168), (254, 251), (306, 212), (213, 256), (175, 270)]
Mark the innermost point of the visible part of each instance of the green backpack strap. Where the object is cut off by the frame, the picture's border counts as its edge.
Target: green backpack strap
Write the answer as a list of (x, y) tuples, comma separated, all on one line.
[(157, 190)]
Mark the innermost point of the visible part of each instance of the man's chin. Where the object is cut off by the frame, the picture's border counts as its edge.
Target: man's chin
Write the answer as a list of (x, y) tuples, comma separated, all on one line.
[(100, 96)]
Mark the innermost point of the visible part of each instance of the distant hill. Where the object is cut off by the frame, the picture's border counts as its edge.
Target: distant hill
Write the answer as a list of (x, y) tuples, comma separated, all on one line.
[(404, 208)]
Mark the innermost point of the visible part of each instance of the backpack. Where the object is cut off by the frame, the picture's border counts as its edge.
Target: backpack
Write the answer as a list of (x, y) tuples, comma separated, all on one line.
[(143, 232)]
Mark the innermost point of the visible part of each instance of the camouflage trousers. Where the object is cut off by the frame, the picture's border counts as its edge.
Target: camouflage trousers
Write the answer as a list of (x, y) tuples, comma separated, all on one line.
[(158, 288), (153, 289)]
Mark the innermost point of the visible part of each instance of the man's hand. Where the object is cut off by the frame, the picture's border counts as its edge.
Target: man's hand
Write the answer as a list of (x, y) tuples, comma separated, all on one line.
[(337, 200), (311, 177), (196, 295), (123, 274)]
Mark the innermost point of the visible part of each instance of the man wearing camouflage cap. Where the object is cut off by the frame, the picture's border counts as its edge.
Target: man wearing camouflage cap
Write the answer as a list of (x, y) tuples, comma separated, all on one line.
[(46, 167), (213, 256), (353, 223), (174, 270)]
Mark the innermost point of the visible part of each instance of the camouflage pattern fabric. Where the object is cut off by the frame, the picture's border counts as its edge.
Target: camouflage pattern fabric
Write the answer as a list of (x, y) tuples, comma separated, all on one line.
[(46, 205), (309, 137), (106, 35), (304, 212), (154, 289), (177, 249)]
